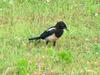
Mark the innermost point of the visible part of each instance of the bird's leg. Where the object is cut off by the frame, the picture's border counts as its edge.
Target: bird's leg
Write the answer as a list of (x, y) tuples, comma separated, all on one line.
[(47, 42), (54, 43)]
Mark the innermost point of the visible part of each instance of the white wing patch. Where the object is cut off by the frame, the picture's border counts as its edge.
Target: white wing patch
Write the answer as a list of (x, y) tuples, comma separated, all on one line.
[(51, 29)]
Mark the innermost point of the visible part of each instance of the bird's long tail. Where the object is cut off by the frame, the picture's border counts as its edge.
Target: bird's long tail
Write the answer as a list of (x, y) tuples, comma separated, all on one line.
[(34, 38)]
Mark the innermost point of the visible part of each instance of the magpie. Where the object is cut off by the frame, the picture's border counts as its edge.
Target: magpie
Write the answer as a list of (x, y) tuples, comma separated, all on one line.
[(52, 34)]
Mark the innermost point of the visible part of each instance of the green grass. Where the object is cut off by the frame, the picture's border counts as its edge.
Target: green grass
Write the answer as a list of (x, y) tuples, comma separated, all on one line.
[(76, 53)]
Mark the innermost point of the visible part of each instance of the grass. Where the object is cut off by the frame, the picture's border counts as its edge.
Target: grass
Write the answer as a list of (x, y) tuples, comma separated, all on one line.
[(77, 53)]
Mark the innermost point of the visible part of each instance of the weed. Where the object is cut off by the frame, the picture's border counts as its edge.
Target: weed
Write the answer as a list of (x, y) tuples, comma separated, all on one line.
[(22, 67), (65, 56)]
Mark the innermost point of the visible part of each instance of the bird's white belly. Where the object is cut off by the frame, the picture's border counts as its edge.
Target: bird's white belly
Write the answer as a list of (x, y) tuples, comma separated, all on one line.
[(51, 38)]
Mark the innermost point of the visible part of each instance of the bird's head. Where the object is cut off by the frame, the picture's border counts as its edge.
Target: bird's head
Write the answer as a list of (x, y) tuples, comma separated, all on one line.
[(61, 25)]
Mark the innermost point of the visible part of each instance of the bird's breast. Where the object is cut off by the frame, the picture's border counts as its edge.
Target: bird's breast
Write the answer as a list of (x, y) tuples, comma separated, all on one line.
[(51, 38), (59, 33)]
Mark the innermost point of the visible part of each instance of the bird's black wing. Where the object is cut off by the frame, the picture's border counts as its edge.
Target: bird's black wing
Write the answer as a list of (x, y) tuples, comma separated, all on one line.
[(48, 32)]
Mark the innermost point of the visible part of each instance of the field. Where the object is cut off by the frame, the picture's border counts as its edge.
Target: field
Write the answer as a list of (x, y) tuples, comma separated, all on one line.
[(77, 52)]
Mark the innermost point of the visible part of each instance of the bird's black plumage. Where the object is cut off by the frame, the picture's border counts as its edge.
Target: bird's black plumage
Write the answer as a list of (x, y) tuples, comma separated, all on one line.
[(53, 33)]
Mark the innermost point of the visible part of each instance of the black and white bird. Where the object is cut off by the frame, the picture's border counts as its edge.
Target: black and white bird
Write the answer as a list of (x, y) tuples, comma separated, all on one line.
[(52, 34)]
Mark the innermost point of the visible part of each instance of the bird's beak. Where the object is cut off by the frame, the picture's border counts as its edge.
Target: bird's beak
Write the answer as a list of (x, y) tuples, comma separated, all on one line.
[(67, 29)]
